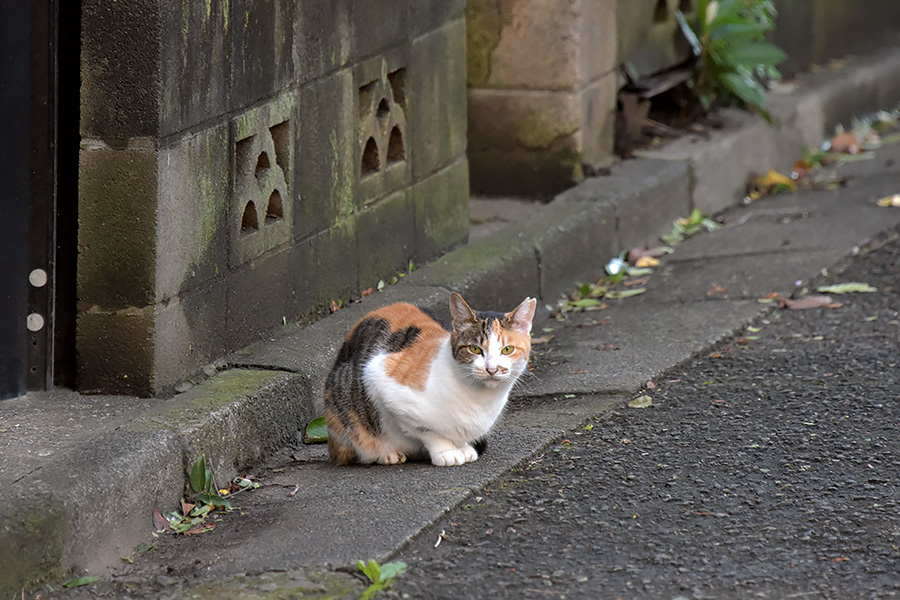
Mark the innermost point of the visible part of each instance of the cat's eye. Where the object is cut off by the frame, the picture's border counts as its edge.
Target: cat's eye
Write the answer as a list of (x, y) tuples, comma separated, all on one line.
[(507, 350), (474, 349)]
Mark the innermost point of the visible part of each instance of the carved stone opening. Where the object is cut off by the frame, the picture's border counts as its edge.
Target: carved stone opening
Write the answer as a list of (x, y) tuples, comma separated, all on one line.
[(249, 221), (397, 81), (370, 161), (242, 152), (661, 12), (281, 139), (366, 92), (262, 164), (383, 109), (396, 152), (274, 210)]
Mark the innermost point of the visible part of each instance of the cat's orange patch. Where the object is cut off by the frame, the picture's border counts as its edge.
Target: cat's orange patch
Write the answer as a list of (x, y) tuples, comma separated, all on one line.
[(411, 365), (338, 443)]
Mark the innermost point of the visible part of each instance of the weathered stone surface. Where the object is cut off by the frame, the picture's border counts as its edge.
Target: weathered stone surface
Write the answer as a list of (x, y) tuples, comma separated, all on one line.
[(322, 37), (599, 35), (437, 136), (190, 332), (441, 211), (115, 350), (598, 101), (117, 226), (325, 169), (377, 25), (260, 297), (428, 15), (388, 225), (539, 45), (326, 268), (262, 56), (119, 69), (194, 68), (192, 215)]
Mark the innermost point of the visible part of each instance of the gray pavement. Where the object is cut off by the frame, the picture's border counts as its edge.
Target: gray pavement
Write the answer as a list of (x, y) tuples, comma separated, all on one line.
[(84, 473)]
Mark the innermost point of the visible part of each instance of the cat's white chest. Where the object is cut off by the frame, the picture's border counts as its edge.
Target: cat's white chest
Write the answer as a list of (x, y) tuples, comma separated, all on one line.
[(449, 405)]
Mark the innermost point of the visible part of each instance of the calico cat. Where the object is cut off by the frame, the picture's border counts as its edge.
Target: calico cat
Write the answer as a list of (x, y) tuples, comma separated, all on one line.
[(406, 385)]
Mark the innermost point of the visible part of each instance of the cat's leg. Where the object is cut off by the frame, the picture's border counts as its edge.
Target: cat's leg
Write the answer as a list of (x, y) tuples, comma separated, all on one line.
[(445, 453)]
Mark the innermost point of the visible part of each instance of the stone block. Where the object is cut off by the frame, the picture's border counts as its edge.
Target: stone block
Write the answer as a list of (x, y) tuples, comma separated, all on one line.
[(260, 297), (386, 238), (194, 63), (524, 143), (189, 333), (598, 101), (525, 44), (377, 25), (383, 149), (192, 224), (598, 35), (262, 55), (442, 211), (117, 226), (326, 268), (428, 15), (119, 69), (115, 351), (261, 208), (437, 106), (325, 168), (322, 37)]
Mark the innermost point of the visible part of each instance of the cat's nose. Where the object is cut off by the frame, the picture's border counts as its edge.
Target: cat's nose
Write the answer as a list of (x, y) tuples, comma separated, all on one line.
[(492, 371)]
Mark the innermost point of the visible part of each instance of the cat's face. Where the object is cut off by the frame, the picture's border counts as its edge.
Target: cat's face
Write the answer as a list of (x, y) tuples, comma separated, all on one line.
[(491, 347)]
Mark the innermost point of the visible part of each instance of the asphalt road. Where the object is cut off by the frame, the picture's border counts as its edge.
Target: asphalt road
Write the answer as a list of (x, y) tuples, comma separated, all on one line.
[(765, 469)]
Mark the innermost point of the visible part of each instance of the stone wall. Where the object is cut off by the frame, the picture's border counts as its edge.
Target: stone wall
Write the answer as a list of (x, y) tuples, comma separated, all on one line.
[(543, 80), (244, 164)]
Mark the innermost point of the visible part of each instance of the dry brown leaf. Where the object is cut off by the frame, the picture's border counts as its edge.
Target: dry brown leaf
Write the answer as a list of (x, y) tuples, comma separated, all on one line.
[(606, 346), (715, 289), (335, 306), (633, 282), (186, 507), (368, 292), (542, 340), (579, 372), (639, 252), (159, 521), (806, 302), (846, 143), (200, 528), (890, 201), (645, 262)]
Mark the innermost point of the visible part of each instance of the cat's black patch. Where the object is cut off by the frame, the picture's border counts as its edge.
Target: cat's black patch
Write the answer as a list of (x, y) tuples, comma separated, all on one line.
[(444, 323), (404, 338), (480, 445)]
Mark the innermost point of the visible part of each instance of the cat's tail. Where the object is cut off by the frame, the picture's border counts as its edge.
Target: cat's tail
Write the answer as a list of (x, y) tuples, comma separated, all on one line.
[(340, 449)]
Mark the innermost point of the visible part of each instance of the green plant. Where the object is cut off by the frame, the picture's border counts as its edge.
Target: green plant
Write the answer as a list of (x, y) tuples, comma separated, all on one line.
[(204, 500), (380, 576), (685, 227), (734, 60)]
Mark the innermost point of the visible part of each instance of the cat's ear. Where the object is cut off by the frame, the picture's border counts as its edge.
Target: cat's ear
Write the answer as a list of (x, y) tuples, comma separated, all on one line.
[(520, 319), (460, 312)]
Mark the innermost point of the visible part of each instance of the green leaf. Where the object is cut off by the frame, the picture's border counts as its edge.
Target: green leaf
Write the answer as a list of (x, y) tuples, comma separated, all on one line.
[(392, 569), (79, 581), (625, 293), (641, 402), (370, 570), (739, 33), (586, 302), (753, 54), (317, 431), (846, 288), (746, 88), (199, 474)]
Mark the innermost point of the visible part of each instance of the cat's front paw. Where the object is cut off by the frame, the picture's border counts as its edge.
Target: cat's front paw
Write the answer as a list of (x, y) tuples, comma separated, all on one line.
[(456, 456), (392, 458)]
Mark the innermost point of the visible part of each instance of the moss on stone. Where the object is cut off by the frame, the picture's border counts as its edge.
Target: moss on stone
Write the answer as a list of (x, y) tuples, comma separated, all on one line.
[(484, 23), (31, 547)]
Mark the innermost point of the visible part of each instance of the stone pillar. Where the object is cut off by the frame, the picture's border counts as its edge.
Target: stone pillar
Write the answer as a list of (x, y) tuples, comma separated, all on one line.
[(542, 92), (246, 163)]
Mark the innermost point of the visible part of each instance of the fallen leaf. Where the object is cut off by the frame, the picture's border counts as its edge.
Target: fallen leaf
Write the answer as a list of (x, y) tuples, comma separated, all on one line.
[(579, 372), (368, 292), (774, 181), (845, 143), (542, 340), (639, 252), (186, 507), (646, 262), (79, 581), (335, 306), (606, 346), (641, 402), (634, 282), (715, 289), (805, 302), (625, 293), (200, 528), (890, 201), (159, 521), (846, 288), (316, 431), (840, 559), (651, 385)]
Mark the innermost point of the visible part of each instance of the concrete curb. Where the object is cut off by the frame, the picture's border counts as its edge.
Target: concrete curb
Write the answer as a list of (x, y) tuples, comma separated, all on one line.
[(71, 512)]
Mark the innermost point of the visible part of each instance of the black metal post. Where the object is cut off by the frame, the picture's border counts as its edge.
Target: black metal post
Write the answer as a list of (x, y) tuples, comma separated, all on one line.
[(15, 91)]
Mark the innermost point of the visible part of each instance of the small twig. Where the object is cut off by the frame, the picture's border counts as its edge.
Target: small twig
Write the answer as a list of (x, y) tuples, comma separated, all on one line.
[(294, 491), (440, 538)]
